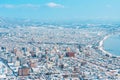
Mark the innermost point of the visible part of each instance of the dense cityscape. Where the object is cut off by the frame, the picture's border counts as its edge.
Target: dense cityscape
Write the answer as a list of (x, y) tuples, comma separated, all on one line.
[(45, 51)]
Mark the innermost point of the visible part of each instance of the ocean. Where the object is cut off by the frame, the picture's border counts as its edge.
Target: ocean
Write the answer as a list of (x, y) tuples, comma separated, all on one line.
[(112, 45)]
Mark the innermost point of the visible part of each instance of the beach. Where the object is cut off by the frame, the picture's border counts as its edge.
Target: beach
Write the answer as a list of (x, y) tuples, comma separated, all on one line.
[(101, 45)]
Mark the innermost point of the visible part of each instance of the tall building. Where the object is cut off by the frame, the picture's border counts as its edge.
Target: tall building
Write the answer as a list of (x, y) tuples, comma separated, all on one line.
[(23, 71), (70, 54)]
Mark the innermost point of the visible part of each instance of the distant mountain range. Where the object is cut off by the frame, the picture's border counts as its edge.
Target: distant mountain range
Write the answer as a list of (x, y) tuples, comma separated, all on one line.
[(6, 22)]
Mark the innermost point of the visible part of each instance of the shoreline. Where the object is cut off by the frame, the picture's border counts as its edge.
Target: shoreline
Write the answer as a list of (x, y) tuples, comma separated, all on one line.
[(101, 45)]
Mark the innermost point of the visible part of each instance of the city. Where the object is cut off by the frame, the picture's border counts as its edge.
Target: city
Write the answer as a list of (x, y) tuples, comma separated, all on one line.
[(59, 39), (56, 53)]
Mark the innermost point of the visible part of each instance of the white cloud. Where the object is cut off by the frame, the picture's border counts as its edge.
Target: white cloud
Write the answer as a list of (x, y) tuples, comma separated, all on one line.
[(34, 6), (54, 5), (19, 6), (29, 6), (7, 6)]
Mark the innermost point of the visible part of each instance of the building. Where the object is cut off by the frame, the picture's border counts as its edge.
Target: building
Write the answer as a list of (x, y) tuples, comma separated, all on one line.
[(70, 54), (23, 71)]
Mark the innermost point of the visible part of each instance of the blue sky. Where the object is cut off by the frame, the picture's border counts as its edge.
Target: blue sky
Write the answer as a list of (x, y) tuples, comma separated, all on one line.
[(61, 9)]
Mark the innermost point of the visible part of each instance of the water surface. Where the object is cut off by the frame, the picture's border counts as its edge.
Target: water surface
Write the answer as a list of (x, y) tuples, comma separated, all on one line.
[(112, 45)]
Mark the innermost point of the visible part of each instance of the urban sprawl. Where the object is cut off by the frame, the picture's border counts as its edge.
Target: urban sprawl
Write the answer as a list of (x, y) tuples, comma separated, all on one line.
[(57, 52)]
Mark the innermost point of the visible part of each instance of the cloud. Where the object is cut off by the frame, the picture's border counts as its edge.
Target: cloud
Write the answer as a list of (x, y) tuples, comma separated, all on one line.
[(29, 6), (19, 6), (54, 5), (7, 6), (32, 6)]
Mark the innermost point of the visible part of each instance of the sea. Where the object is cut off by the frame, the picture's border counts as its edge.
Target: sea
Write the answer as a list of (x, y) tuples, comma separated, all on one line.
[(112, 45)]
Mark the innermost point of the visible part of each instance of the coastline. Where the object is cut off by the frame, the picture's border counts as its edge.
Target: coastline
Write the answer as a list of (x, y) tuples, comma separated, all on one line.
[(101, 45)]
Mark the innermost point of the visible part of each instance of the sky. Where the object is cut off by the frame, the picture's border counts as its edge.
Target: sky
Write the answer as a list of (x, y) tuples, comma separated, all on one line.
[(61, 9)]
